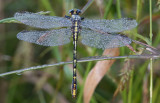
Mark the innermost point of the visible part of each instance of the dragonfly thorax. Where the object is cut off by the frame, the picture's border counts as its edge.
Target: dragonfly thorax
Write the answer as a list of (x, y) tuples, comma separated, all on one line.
[(75, 17)]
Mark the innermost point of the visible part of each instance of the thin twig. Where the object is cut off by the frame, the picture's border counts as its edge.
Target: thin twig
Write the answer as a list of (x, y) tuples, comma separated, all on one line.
[(140, 43), (87, 59), (148, 47), (86, 6)]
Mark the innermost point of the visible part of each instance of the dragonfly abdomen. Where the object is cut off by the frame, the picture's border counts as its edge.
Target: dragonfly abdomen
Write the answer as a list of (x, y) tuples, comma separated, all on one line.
[(75, 30)]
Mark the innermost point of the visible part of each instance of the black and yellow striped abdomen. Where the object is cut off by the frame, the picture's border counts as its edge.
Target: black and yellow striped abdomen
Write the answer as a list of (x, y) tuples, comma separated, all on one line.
[(75, 31), (76, 20)]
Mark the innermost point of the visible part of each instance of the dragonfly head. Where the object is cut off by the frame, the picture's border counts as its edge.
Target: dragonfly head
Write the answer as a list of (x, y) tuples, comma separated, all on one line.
[(75, 12)]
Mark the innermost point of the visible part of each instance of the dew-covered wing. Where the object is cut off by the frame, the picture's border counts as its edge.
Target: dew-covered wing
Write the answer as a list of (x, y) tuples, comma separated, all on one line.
[(46, 38), (103, 40), (111, 26), (42, 21)]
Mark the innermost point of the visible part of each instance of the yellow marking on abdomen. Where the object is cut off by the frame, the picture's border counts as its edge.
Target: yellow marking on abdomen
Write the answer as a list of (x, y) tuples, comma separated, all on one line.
[(75, 62), (75, 29), (76, 23), (75, 42), (75, 51), (74, 93), (75, 37)]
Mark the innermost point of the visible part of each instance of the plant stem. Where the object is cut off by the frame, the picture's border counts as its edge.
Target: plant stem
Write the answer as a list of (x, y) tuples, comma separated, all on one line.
[(87, 59), (151, 60), (118, 9)]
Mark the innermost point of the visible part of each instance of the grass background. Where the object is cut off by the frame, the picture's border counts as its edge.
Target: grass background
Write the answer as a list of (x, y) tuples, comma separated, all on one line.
[(53, 85)]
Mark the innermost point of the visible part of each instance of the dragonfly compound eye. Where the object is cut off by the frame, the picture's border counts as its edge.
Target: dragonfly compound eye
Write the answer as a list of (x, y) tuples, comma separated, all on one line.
[(71, 12), (78, 12)]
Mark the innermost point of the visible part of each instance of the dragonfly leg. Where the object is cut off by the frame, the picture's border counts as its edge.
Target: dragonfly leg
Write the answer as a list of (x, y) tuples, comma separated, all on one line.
[(68, 17), (82, 18)]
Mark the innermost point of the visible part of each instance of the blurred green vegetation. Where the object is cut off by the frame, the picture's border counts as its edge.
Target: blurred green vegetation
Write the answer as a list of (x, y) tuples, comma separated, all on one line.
[(53, 85)]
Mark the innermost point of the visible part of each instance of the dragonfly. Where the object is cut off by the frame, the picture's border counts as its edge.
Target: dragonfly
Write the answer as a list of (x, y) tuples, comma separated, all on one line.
[(98, 33)]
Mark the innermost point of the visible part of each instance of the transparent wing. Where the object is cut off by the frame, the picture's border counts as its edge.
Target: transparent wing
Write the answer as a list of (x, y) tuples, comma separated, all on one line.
[(46, 38), (42, 21), (103, 41), (111, 26)]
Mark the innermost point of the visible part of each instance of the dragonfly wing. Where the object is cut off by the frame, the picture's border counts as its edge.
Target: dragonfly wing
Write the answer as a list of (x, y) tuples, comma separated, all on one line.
[(111, 26), (42, 21), (105, 40), (46, 38)]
